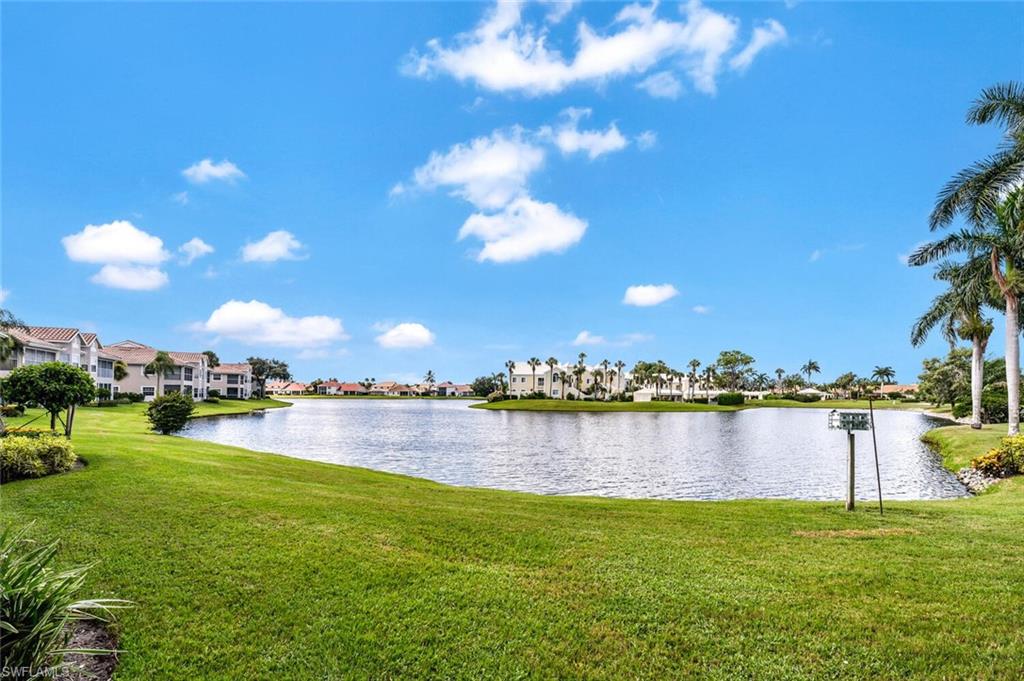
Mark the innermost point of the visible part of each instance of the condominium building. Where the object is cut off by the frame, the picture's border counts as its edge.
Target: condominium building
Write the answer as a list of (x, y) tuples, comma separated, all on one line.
[(231, 380), (39, 344), (188, 375), (563, 380)]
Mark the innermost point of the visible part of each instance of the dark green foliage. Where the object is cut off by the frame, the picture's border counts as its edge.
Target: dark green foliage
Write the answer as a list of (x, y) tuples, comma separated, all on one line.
[(35, 456), (132, 397), (698, 400), (12, 410), (212, 400), (994, 406), (170, 413), (484, 385), (213, 392), (54, 386), (730, 399), (496, 396)]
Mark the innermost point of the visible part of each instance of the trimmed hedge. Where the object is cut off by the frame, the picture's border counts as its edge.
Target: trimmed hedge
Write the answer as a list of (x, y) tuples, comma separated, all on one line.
[(731, 399), (169, 413), (34, 457)]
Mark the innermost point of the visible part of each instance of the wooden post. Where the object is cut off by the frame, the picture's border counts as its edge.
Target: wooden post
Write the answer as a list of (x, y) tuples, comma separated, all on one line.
[(850, 473)]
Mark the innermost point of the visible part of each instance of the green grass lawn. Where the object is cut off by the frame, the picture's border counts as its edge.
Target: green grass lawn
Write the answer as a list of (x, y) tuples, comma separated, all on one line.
[(254, 566), (581, 405)]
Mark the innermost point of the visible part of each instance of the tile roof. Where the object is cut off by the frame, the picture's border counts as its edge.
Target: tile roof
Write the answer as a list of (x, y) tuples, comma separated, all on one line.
[(59, 334), (131, 352), (241, 368), (351, 387)]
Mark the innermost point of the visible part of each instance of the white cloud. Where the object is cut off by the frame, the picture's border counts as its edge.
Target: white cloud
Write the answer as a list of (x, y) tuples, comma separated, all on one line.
[(570, 139), (257, 323), (505, 54), (558, 9), (767, 34), (646, 295), (523, 229), (207, 170), (193, 249), (180, 198), (4, 293), (115, 242), (662, 84), (586, 338), (816, 255), (702, 309), (277, 245), (130, 277), (646, 140), (406, 335), (489, 172)]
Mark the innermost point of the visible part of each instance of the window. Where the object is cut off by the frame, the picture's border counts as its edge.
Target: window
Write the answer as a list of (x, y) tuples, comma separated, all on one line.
[(232, 379), (540, 381), (169, 389), (195, 392), (188, 373), (148, 391), (33, 356), (104, 390), (216, 377), (232, 392), (173, 373), (106, 368), (92, 368), (555, 392)]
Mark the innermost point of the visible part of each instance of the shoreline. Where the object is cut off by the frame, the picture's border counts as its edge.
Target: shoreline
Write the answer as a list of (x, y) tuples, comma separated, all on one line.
[(577, 406)]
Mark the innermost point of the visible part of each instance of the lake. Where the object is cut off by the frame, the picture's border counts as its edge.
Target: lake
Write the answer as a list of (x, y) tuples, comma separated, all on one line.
[(758, 453)]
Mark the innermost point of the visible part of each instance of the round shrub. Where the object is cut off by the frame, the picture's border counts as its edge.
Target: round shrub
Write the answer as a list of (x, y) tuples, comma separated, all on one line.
[(132, 397), (212, 399), (1006, 459), (170, 413), (34, 457), (213, 392), (730, 399), (496, 396)]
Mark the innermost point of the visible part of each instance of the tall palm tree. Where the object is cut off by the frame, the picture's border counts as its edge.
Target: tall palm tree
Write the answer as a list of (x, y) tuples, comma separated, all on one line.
[(578, 371), (811, 367), (552, 363), (430, 380), (958, 311), (533, 363), (977, 191), (1002, 242), (598, 383), (510, 365), (883, 375), (161, 364), (694, 365), (709, 379), (779, 374), (619, 366), (604, 370)]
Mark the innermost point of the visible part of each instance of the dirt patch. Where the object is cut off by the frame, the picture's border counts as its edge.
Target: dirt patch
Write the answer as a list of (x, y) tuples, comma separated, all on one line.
[(855, 534), (90, 634)]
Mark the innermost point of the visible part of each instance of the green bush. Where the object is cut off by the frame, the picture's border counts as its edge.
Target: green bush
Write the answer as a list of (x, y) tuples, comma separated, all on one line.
[(535, 395), (213, 392), (1006, 459), (169, 413), (496, 396), (730, 399), (698, 400), (994, 407), (112, 403), (132, 397), (38, 603), (34, 457), (212, 400)]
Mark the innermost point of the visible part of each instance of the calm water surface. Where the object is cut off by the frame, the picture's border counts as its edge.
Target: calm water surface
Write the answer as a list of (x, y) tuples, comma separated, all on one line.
[(780, 453)]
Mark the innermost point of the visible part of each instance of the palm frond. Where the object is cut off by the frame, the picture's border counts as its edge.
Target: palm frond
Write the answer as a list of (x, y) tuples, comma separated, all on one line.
[(1003, 104), (976, 191)]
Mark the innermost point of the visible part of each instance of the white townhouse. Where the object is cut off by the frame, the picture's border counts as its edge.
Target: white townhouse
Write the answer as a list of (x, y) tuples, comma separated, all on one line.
[(524, 380), (188, 376), (39, 344), (230, 380)]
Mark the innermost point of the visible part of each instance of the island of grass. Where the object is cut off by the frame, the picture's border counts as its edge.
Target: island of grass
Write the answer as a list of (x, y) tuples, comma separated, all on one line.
[(245, 565), (591, 405)]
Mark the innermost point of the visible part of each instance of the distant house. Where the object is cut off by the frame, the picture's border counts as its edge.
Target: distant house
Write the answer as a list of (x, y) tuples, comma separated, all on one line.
[(39, 344), (293, 389), (276, 387), (446, 389), (401, 390), (463, 390), (905, 389), (188, 375), (382, 388), (813, 392), (231, 380)]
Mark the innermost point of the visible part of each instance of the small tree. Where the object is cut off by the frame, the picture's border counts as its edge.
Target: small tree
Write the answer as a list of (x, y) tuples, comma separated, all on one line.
[(484, 386), (264, 369), (160, 365), (212, 360), (170, 413), (54, 386), (120, 370)]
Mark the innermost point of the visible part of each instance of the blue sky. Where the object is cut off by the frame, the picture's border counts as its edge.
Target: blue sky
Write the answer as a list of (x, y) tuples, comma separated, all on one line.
[(769, 162)]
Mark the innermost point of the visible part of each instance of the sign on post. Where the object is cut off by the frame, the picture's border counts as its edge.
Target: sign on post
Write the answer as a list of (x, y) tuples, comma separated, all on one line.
[(849, 421)]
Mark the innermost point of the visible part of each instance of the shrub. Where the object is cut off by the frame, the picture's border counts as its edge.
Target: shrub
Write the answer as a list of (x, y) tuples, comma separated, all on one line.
[(535, 395), (35, 456), (132, 397), (496, 396), (169, 413), (571, 397), (1006, 459), (212, 400), (38, 604), (994, 407), (27, 432), (112, 403), (12, 410), (698, 400), (730, 399), (213, 392)]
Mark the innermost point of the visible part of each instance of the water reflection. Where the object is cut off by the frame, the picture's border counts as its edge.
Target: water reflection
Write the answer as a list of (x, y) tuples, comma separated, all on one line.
[(776, 453)]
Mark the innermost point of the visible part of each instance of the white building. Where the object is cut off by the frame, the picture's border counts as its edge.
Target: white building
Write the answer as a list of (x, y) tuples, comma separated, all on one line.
[(39, 344), (231, 380), (565, 381)]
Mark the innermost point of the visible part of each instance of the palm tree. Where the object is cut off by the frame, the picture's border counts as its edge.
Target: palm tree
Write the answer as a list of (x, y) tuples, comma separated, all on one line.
[(883, 375), (779, 373), (598, 383), (552, 363), (533, 363), (161, 364), (619, 366), (368, 382), (1002, 242), (578, 371), (810, 368), (709, 379), (430, 380), (694, 365), (977, 191), (959, 312), (604, 370), (510, 365)]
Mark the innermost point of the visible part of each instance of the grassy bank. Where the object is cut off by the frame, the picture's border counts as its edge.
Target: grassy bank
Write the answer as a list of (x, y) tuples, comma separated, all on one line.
[(253, 566), (581, 405)]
